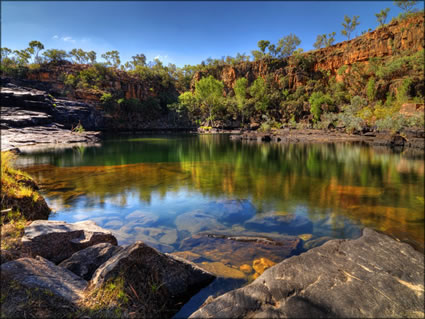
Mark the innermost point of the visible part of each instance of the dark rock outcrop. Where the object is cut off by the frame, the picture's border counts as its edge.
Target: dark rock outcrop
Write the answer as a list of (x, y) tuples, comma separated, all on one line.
[(167, 281), (43, 274), (85, 262), (372, 276), (56, 240), (30, 116)]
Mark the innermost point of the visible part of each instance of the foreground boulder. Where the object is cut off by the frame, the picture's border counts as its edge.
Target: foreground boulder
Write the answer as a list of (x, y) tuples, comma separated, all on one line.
[(57, 240), (43, 274), (85, 262), (158, 284), (372, 276)]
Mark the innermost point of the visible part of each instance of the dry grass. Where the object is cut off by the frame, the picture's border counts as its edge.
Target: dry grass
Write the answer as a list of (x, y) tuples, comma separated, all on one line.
[(19, 192), (18, 301)]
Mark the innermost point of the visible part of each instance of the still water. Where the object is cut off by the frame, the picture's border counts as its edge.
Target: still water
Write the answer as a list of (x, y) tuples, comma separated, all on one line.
[(184, 194)]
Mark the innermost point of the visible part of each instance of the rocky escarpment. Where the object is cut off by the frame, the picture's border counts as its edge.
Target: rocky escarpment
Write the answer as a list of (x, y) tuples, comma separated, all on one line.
[(390, 40), (30, 116), (373, 276)]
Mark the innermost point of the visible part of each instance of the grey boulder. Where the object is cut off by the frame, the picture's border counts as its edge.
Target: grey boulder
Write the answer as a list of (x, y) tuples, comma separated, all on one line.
[(43, 274), (372, 276), (85, 262), (57, 240), (167, 281)]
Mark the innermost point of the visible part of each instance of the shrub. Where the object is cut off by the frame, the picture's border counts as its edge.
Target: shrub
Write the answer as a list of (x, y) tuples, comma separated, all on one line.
[(370, 89), (403, 91), (342, 70), (108, 102), (317, 101), (327, 119)]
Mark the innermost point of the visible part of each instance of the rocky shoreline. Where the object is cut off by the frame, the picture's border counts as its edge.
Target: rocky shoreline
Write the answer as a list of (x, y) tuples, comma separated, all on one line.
[(32, 117), (409, 139), (371, 276)]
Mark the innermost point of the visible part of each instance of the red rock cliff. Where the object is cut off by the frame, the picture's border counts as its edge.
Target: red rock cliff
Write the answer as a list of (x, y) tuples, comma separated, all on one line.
[(384, 42)]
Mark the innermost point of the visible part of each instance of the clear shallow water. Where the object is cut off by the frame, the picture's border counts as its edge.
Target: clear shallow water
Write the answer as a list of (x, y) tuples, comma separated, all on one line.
[(171, 191)]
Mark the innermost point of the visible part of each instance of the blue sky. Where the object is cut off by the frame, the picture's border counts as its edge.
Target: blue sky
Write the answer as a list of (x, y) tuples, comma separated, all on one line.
[(178, 32)]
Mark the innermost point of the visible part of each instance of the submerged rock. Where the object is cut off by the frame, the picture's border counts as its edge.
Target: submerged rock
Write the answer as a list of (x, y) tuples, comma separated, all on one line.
[(284, 224), (372, 276), (221, 270), (166, 281), (85, 262), (197, 221), (239, 250), (43, 274), (57, 240), (231, 211)]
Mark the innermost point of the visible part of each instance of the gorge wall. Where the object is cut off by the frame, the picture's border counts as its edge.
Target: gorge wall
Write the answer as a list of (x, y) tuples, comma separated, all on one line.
[(384, 42)]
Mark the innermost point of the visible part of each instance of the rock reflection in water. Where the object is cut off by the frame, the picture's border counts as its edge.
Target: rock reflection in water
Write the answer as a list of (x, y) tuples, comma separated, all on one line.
[(165, 191)]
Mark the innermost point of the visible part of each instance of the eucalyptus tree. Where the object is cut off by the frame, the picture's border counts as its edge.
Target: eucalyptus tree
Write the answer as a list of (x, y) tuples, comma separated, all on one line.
[(349, 25)]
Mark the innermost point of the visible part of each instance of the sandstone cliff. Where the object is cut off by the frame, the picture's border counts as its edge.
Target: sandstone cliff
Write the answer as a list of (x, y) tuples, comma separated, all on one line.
[(392, 39)]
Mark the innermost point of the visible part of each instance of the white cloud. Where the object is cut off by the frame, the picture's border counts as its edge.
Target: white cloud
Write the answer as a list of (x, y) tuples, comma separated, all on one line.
[(55, 37), (161, 57), (68, 39)]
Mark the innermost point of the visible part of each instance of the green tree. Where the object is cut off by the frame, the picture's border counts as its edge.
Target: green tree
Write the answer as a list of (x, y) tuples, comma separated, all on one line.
[(5, 53), (91, 56), (287, 45), (241, 89), (263, 44), (188, 101), (272, 50), (317, 100), (23, 56), (319, 41), (36, 47), (209, 93), (258, 91), (54, 55), (112, 58), (370, 89), (258, 55), (349, 25), (382, 16), (138, 59), (79, 55), (405, 5)]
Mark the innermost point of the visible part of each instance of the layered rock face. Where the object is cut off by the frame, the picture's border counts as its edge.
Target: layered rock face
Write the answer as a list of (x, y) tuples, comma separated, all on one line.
[(30, 116), (51, 77), (398, 36), (373, 276)]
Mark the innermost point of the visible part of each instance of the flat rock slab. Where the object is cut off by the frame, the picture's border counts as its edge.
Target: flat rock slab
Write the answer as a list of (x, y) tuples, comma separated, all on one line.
[(167, 281), (43, 274), (57, 240), (372, 276), (85, 262)]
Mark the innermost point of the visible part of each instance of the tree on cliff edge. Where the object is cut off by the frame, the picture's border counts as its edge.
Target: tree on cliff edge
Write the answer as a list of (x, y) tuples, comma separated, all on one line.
[(112, 58), (287, 45), (405, 5), (382, 16), (349, 25), (36, 47)]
